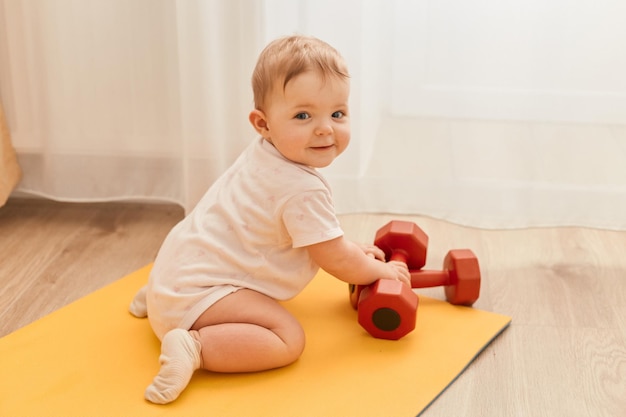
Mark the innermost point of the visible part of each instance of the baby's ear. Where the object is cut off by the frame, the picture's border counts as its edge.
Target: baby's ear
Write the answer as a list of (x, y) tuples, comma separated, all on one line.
[(259, 122)]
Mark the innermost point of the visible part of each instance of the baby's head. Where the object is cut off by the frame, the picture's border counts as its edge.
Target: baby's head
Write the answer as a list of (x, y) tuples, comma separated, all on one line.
[(287, 57), (301, 92)]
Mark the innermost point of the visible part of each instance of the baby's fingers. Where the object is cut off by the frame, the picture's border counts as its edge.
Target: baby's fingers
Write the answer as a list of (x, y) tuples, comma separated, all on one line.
[(402, 272), (373, 252)]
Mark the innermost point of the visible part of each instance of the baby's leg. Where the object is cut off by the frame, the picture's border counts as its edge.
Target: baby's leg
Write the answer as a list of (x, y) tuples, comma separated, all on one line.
[(243, 332), (247, 331), (138, 306), (180, 357)]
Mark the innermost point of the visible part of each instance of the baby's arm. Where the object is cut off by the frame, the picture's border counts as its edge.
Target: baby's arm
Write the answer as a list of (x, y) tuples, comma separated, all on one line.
[(353, 264)]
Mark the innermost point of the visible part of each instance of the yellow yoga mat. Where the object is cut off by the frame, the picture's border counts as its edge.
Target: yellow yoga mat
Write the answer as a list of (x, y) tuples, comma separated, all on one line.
[(92, 358)]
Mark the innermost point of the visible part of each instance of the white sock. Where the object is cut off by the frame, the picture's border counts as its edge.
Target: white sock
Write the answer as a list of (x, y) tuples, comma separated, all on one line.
[(180, 357), (138, 307)]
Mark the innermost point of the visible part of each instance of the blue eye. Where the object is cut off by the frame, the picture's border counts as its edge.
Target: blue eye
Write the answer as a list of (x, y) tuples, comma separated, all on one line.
[(302, 116), (338, 115)]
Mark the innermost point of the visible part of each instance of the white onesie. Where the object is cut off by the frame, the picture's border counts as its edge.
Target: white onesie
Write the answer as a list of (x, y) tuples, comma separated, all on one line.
[(250, 230)]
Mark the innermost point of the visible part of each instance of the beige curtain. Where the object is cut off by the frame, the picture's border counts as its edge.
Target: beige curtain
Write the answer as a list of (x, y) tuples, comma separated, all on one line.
[(10, 172)]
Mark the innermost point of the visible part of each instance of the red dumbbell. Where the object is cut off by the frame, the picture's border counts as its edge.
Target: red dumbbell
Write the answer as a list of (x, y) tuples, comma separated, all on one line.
[(387, 309), (460, 277), (461, 272)]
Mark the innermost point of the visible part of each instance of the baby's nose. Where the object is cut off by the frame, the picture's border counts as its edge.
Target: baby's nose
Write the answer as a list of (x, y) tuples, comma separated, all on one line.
[(323, 129)]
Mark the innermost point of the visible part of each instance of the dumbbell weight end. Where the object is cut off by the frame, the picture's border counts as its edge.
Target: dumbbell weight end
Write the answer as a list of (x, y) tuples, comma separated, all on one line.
[(460, 277), (387, 309)]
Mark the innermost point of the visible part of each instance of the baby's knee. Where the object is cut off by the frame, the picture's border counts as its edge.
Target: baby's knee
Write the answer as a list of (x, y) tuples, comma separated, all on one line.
[(295, 341)]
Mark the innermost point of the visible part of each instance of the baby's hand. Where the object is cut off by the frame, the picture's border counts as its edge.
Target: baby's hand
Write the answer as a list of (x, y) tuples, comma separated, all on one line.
[(373, 252), (401, 272)]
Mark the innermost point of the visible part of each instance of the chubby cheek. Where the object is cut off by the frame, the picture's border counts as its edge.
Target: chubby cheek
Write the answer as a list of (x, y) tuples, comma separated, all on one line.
[(293, 133), (343, 139)]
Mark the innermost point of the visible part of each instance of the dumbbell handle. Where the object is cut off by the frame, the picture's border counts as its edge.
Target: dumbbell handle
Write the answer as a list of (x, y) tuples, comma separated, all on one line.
[(424, 278), (400, 256)]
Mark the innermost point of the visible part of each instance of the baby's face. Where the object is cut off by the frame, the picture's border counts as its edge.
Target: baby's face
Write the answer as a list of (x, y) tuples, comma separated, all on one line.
[(309, 122)]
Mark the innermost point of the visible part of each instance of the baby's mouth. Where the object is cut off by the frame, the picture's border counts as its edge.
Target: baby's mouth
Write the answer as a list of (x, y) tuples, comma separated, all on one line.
[(322, 148)]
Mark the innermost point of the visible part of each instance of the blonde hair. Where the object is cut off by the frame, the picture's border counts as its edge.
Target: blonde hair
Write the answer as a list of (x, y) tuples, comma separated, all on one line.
[(288, 57)]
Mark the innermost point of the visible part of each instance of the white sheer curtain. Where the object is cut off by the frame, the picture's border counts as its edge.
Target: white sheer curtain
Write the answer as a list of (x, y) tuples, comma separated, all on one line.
[(488, 113), (112, 99)]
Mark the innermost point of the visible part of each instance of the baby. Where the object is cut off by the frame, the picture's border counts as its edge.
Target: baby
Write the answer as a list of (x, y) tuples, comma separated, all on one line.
[(261, 232)]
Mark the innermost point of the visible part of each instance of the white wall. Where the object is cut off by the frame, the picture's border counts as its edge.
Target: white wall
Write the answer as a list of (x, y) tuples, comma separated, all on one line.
[(555, 60)]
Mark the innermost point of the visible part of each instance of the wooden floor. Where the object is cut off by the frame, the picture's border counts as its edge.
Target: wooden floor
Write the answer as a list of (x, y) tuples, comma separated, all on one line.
[(563, 355), (53, 254)]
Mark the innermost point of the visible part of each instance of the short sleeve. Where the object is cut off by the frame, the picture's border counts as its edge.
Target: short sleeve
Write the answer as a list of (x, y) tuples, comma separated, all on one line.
[(309, 218)]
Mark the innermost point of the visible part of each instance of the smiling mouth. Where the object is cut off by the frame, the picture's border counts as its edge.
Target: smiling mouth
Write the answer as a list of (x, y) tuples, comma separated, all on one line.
[(322, 148)]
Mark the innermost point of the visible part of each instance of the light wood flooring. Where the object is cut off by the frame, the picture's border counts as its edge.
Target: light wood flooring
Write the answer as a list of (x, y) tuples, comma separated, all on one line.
[(563, 355)]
